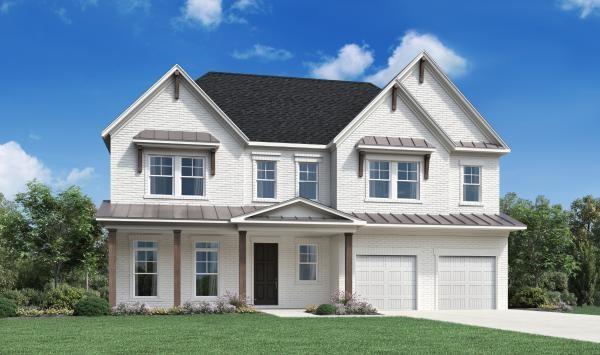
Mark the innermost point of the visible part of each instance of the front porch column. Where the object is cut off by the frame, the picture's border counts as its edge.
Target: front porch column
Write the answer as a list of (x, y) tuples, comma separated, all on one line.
[(176, 267), (242, 271), (112, 267), (348, 263)]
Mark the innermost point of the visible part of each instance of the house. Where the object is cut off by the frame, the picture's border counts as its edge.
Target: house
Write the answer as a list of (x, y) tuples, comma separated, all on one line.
[(285, 190)]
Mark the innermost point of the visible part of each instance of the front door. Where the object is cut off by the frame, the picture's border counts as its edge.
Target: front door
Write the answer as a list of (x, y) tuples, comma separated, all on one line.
[(265, 274)]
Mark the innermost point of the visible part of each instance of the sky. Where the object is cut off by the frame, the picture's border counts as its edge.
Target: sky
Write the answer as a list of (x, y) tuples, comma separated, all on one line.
[(70, 67)]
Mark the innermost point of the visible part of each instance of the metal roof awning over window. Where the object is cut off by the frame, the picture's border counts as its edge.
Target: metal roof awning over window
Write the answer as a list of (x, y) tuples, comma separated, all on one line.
[(181, 139), (449, 220)]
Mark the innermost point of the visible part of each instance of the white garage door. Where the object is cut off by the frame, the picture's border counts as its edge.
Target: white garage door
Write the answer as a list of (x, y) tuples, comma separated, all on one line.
[(387, 281), (466, 282)]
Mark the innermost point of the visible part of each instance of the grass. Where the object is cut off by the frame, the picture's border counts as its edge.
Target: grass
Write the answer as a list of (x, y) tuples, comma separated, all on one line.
[(260, 333), (595, 310)]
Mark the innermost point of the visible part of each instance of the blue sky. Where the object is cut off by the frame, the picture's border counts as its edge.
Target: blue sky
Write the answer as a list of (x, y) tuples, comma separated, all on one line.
[(70, 67)]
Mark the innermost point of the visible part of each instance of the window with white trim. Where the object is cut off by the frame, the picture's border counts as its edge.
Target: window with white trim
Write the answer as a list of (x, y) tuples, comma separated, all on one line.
[(161, 175), (308, 180), (145, 271), (207, 269), (379, 179), (192, 176), (265, 179), (307, 259), (471, 183), (408, 180)]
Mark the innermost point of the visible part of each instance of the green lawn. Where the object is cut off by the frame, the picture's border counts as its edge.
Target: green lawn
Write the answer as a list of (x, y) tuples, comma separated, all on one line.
[(259, 333), (595, 310)]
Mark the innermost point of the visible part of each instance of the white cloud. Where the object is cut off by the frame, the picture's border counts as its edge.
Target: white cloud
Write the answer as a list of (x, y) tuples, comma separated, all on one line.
[(586, 7), (126, 6), (76, 177), (62, 15), (34, 137), (351, 62), (263, 52), (5, 6), (410, 46), (209, 13), (17, 168), (244, 5)]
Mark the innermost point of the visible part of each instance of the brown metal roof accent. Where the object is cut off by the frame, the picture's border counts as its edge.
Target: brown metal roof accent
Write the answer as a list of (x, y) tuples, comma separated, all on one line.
[(164, 211), (477, 145), (395, 142), (176, 136), (195, 212)]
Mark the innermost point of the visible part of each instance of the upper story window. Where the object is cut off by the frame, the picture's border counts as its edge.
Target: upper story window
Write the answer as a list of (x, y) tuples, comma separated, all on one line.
[(472, 184), (408, 180), (161, 175), (265, 179), (379, 179), (182, 177), (307, 262), (192, 176), (145, 270), (308, 180)]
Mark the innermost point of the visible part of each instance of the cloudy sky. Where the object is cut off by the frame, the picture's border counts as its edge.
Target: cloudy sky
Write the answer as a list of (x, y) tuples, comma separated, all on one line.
[(69, 67)]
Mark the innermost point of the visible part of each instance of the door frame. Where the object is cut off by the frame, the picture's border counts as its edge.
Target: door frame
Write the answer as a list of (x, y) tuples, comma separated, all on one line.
[(250, 270)]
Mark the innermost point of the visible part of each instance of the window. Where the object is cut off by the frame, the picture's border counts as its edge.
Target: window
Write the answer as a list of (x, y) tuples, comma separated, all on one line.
[(307, 180), (161, 175), (307, 262), (408, 180), (207, 268), (192, 176), (265, 179), (145, 270), (472, 184), (379, 179)]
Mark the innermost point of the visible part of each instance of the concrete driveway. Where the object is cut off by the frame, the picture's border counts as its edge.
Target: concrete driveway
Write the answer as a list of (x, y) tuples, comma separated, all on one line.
[(563, 325)]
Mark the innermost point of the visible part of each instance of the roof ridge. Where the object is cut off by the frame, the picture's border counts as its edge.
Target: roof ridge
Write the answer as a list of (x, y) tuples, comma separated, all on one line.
[(288, 77)]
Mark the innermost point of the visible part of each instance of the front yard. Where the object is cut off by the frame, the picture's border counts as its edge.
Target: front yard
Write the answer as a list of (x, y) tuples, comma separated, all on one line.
[(259, 333)]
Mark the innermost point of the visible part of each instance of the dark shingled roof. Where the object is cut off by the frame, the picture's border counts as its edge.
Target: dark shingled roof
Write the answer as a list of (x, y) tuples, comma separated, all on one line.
[(287, 110)]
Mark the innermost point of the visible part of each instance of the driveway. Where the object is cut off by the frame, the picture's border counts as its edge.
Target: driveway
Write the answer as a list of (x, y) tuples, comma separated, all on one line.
[(572, 326)]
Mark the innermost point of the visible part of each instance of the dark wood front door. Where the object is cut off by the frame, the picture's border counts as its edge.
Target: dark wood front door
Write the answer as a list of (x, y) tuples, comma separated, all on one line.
[(265, 274)]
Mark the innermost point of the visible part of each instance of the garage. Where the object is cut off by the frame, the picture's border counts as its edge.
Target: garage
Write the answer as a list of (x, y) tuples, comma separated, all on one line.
[(388, 282), (466, 282)]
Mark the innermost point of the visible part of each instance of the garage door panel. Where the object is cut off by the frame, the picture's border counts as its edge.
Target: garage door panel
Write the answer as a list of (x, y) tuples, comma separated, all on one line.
[(466, 282), (387, 281)]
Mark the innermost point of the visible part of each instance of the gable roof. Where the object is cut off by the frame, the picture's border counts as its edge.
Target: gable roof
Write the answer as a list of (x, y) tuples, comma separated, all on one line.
[(287, 110)]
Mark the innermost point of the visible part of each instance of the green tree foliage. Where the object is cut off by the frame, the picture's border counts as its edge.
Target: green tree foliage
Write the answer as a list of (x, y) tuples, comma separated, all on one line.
[(58, 232), (544, 247)]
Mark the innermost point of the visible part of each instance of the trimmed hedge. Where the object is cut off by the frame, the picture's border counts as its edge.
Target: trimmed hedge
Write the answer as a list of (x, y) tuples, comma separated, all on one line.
[(91, 306), (8, 308), (63, 296), (325, 309)]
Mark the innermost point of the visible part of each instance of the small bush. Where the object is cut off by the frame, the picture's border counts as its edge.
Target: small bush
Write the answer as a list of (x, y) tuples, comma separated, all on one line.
[(245, 310), (235, 300), (311, 308), (37, 312), (130, 309), (568, 298), (18, 297), (8, 308), (36, 297), (91, 306), (530, 297), (325, 309), (63, 296)]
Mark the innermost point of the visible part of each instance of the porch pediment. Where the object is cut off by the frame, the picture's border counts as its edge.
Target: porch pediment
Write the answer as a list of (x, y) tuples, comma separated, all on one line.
[(298, 211)]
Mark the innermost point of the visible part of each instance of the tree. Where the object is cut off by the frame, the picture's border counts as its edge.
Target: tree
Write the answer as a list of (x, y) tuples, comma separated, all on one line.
[(544, 247), (585, 279), (58, 232), (585, 219)]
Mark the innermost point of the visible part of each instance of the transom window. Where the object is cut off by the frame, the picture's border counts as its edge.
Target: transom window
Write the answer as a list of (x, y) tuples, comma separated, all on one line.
[(408, 180), (161, 175), (265, 179), (146, 268), (307, 258), (472, 184), (307, 180), (207, 268), (192, 176), (379, 179)]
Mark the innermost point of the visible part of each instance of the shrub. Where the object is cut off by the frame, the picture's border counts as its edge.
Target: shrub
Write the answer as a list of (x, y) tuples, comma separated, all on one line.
[(63, 296), (165, 311), (8, 308), (555, 281), (245, 309), (37, 312), (235, 300), (311, 308), (530, 297), (129, 309), (568, 298), (91, 306), (18, 297), (346, 303), (325, 309), (36, 297)]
